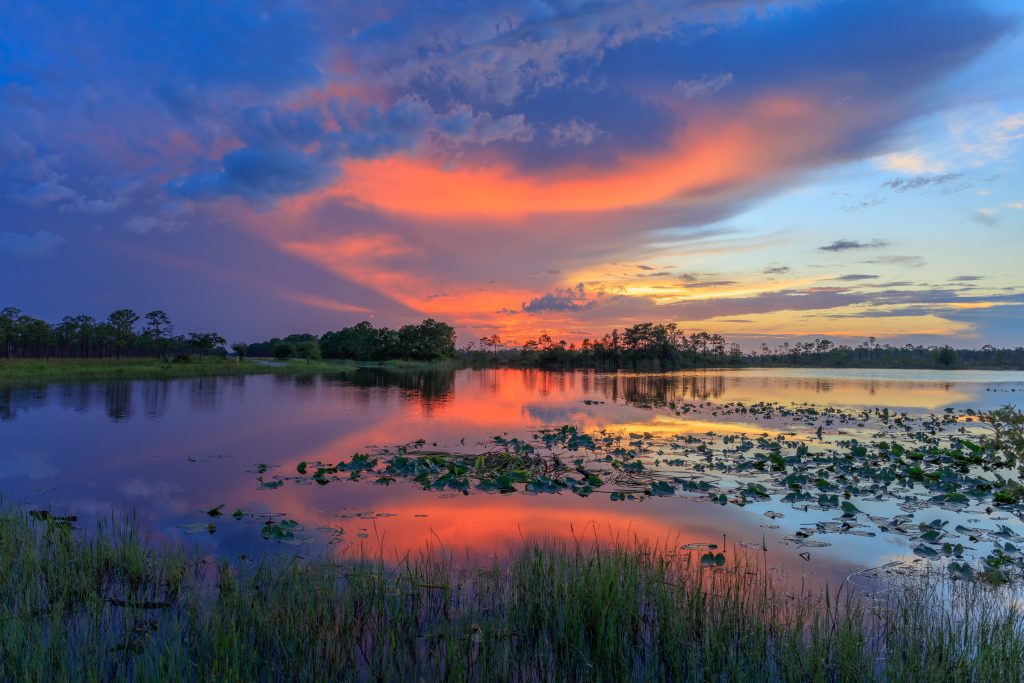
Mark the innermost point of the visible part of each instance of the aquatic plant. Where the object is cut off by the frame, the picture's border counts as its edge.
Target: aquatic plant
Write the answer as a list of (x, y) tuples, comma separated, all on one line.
[(1008, 431), (808, 457)]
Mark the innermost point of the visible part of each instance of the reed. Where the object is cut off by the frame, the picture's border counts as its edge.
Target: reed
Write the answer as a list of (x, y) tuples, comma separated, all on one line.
[(109, 605)]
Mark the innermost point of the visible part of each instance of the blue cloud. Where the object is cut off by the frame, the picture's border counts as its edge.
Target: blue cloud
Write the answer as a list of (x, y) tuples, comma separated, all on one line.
[(31, 245), (542, 84)]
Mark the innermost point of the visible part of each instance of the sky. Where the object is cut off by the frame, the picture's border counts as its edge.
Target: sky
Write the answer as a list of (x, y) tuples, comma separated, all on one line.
[(769, 171)]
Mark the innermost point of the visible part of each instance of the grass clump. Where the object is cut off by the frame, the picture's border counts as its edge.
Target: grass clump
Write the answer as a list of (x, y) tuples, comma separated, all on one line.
[(109, 606)]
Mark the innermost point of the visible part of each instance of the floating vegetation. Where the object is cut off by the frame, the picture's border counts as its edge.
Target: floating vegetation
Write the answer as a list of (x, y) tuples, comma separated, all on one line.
[(874, 470), (284, 531)]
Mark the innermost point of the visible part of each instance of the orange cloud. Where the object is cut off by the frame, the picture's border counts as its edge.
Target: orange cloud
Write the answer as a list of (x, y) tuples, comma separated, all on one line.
[(374, 261), (324, 303), (711, 157)]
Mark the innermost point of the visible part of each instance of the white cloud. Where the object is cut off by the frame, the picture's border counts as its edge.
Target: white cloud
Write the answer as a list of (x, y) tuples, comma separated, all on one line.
[(910, 162), (462, 124), (704, 87), (575, 132), (986, 216), (170, 216), (987, 134)]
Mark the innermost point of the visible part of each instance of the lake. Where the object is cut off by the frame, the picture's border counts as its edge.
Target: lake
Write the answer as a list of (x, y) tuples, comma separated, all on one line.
[(170, 452)]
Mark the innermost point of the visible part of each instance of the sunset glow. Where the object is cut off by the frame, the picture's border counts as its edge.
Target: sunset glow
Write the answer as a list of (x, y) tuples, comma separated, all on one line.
[(769, 172), (511, 340)]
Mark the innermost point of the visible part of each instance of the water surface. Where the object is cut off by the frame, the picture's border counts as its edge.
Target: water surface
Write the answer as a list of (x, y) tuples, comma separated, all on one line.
[(169, 451)]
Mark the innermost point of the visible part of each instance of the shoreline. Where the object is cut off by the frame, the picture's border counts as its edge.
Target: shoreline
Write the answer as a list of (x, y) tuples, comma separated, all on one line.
[(36, 372)]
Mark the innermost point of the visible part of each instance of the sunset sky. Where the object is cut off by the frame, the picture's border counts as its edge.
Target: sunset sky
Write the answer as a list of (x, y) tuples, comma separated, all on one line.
[(765, 170)]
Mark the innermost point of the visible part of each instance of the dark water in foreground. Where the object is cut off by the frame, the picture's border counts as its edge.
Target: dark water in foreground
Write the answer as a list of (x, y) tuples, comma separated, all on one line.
[(169, 451)]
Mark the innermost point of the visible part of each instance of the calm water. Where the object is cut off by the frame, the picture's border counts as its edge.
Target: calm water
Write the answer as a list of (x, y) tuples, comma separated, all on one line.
[(168, 451)]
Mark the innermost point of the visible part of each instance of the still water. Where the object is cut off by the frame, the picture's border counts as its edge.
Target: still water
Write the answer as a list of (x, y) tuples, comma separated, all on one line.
[(168, 452)]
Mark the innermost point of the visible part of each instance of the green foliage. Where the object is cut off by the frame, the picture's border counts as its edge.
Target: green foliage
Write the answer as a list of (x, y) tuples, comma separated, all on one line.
[(359, 342), (428, 340), (946, 357), (266, 349), (34, 372), (240, 349), (1007, 424), (308, 351)]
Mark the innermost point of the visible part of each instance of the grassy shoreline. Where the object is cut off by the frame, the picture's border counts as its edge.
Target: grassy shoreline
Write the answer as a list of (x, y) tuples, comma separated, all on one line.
[(109, 606), (15, 372), (29, 372)]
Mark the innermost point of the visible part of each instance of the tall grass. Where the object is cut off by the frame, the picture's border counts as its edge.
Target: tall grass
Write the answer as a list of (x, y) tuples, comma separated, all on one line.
[(20, 372), (36, 372), (110, 606)]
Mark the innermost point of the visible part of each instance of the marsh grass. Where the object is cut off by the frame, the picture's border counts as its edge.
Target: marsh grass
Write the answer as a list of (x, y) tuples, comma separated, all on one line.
[(21, 372), (108, 605), (36, 372)]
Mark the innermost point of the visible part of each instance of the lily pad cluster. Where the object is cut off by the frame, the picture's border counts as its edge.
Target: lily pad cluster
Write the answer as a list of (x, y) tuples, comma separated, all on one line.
[(854, 464)]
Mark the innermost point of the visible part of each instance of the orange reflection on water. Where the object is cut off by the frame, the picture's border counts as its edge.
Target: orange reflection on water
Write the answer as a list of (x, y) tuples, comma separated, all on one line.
[(175, 450), (666, 426)]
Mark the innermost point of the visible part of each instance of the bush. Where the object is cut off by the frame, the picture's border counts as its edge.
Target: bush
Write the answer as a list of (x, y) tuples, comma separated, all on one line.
[(309, 350)]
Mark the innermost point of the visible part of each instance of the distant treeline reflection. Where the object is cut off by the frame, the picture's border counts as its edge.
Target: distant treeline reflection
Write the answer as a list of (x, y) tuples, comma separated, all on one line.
[(121, 400)]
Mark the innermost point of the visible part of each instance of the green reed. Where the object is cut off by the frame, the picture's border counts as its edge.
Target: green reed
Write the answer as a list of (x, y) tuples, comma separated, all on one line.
[(109, 605)]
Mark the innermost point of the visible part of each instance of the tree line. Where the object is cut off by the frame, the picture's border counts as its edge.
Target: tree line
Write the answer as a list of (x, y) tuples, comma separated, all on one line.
[(644, 346), (870, 353), (655, 347), (428, 340), (124, 334)]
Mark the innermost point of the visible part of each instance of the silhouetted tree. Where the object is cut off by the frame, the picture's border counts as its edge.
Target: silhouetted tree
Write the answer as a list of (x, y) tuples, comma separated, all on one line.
[(158, 328), (205, 342), (122, 323)]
